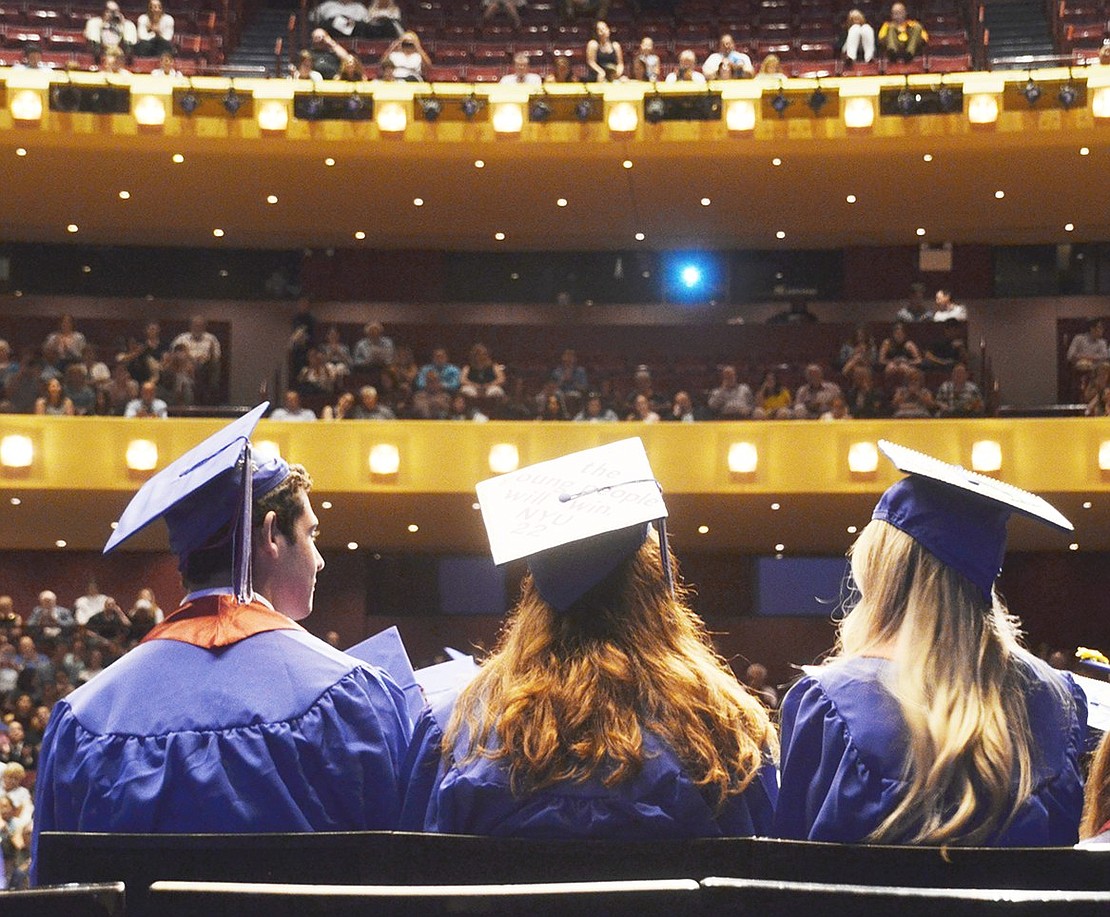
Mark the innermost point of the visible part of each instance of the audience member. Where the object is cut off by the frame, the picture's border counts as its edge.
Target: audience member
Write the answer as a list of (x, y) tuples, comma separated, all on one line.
[(167, 66), (383, 20), (642, 411), (510, 8), (343, 409), (23, 387), (865, 399), (54, 402), (683, 408), (327, 54), (901, 38), (68, 343), (732, 399), (77, 389), (686, 70), (948, 351), (857, 39), (814, 396), (461, 408), (1098, 381), (561, 71), (604, 58), (642, 384), (305, 68), (648, 60), (770, 67), (755, 678), (375, 350), (570, 376), (121, 390), (898, 353), (112, 61), (838, 410), (595, 411), (318, 376), (947, 310), (959, 396), (110, 30), (336, 353), (47, 615), (594, 9), (481, 377), (350, 70), (408, 58), (448, 374), (369, 407), (727, 51), (96, 371), (552, 408), (154, 29), (1094, 829), (31, 58), (1104, 53), (401, 373), (773, 399), (916, 308), (431, 401), (339, 18), (1088, 349), (144, 360), (522, 73), (204, 351), (8, 366), (292, 409), (860, 351), (89, 604), (913, 398), (147, 404)]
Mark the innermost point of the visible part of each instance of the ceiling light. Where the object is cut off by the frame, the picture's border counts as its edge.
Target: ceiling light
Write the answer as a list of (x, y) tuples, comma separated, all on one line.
[(780, 234), (508, 118), (627, 164), (72, 227), (20, 151), (920, 230), (851, 198), (327, 504), (624, 118), (999, 194), (142, 455), (16, 451), (60, 543), (1083, 150), (1069, 227), (859, 112), (561, 202), (418, 202), (776, 161), (360, 235), (928, 157), (413, 528), (780, 547), (125, 195), (503, 457), (852, 530), (775, 507), (178, 158), (863, 458), (392, 119), (705, 202), (329, 162), (639, 237), (385, 459), (15, 501), (1074, 546), (703, 529), (743, 458), (499, 236), (218, 233), (150, 111), (86, 269), (352, 545), (986, 455), (1086, 504), (271, 199), (479, 164)]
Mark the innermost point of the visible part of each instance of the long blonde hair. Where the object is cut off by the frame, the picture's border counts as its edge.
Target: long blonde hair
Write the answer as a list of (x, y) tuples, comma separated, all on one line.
[(959, 674), (567, 696), (1096, 793)]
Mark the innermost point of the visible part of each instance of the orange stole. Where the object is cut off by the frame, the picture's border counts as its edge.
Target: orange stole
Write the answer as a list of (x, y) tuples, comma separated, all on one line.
[(219, 620)]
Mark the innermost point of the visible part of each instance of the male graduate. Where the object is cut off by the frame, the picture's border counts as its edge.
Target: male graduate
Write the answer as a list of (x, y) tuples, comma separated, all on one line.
[(229, 716)]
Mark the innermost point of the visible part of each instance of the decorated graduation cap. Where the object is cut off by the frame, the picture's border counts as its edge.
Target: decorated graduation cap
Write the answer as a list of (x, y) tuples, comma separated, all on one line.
[(958, 516), (575, 518), (206, 496)]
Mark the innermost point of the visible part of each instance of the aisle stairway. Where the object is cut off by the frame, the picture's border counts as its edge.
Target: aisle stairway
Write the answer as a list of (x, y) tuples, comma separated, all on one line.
[(256, 45), (1018, 28)]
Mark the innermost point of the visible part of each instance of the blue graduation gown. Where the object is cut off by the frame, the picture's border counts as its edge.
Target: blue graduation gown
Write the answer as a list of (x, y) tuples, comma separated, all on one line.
[(270, 729), (843, 746), (661, 802)]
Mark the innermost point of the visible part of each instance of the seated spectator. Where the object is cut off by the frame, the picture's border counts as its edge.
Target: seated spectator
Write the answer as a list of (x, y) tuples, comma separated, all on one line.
[(31, 58), (949, 351), (562, 71), (350, 71), (167, 66), (112, 62), (177, 378), (343, 409), (144, 615), (327, 54), (77, 389), (857, 41), (687, 70), (96, 371), (510, 8), (375, 350), (646, 65), (569, 376), (522, 73), (641, 410), (772, 399), (408, 58), (731, 400), (770, 68), (642, 385), (111, 622), (432, 401), (339, 18), (387, 72), (595, 411), (400, 375), (814, 396), (144, 358), (204, 351), (865, 399), (1099, 405), (147, 404), (448, 374), (481, 377), (462, 409), (947, 310), (155, 31), (860, 351), (317, 377), (683, 408), (369, 407), (121, 390), (383, 20), (916, 309), (305, 68), (1104, 53), (1088, 349), (604, 58), (898, 353), (552, 408), (8, 366), (110, 30), (726, 50), (838, 410), (593, 9), (1094, 829), (901, 38), (959, 396), (12, 788), (336, 353), (22, 388), (1098, 382), (913, 399), (54, 402), (291, 408), (67, 343), (89, 604), (47, 615)]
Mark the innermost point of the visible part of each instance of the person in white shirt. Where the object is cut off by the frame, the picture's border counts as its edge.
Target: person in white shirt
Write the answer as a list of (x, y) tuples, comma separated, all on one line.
[(521, 73), (148, 404), (947, 309), (687, 71), (155, 31), (726, 50), (291, 409), (408, 58), (89, 604), (110, 30)]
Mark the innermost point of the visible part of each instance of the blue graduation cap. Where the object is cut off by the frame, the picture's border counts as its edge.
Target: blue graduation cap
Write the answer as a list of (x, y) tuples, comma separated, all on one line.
[(575, 518), (957, 515), (205, 497)]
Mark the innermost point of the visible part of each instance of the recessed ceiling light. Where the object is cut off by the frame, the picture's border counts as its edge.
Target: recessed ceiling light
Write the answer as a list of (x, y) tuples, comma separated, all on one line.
[(113, 526), (703, 529), (178, 158), (86, 268), (921, 230), (72, 227), (326, 504), (125, 195), (780, 234), (776, 161), (514, 276), (776, 506), (479, 163), (329, 162), (1000, 194), (851, 198), (223, 272), (475, 505), (1068, 227), (360, 235), (499, 236), (15, 501), (418, 202), (271, 199), (1074, 546), (1083, 151), (705, 202), (352, 545), (61, 543), (19, 151), (852, 530), (639, 237), (627, 163), (928, 157), (561, 202), (414, 528), (780, 547), (1086, 504), (218, 233)]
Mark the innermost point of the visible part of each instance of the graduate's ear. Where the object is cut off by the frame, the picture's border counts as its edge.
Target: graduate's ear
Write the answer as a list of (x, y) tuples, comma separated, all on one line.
[(268, 533)]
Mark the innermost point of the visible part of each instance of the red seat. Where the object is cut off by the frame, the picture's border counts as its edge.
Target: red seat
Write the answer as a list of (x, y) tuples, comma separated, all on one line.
[(477, 73), (816, 50), (443, 74), (1083, 36), (949, 63), (900, 68), (450, 54), (782, 49), (811, 69), (61, 40), (492, 54)]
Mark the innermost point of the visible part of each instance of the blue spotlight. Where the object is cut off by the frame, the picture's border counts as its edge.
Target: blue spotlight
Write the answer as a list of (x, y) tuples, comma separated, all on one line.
[(690, 276)]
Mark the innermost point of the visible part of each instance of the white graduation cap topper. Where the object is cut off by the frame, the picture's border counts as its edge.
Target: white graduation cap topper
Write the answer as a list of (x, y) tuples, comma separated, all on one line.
[(568, 499)]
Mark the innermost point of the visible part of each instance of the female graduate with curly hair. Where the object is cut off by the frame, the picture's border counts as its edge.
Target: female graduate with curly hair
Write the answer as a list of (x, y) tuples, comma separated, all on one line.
[(604, 712), (931, 724)]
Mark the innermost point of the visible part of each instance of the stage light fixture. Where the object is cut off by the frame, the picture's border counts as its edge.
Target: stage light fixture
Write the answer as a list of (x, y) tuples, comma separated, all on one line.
[(743, 458), (907, 101), (1031, 91), (385, 459), (539, 110), (817, 99), (232, 102), (430, 109), (190, 101), (780, 102), (471, 106), (654, 109), (26, 105), (583, 109)]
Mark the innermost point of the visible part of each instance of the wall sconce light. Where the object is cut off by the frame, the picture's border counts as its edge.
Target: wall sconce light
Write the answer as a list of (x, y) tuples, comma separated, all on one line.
[(740, 116), (273, 116), (859, 113), (26, 105), (503, 457), (508, 117), (743, 458), (190, 101), (142, 455), (1103, 455), (863, 458), (266, 450), (385, 459), (986, 456), (16, 451), (392, 118), (982, 108), (150, 111), (1100, 102), (818, 99), (623, 118)]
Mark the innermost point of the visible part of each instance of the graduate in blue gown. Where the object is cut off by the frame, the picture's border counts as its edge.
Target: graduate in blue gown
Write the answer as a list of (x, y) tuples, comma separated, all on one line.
[(229, 716), (931, 724), (604, 712)]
